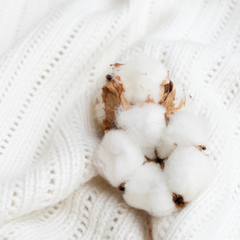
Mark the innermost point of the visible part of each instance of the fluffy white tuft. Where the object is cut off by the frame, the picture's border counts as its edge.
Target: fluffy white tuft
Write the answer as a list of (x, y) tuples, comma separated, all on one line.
[(142, 78), (188, 171), (145, 124), (147, 189), (183, 128), (118, 156)]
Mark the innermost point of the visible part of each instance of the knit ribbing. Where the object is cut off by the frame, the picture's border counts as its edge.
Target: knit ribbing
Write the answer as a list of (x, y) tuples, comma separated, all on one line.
[(52, 55)]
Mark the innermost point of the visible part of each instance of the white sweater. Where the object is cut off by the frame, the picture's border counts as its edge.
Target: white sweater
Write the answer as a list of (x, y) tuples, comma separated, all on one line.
[(52, 53)]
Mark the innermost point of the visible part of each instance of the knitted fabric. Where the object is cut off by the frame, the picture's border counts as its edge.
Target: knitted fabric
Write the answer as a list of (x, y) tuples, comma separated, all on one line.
[(52, 53)]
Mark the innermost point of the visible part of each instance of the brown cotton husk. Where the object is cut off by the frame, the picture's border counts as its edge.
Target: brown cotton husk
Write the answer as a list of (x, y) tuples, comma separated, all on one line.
[(165, 89), (150, 233), (149, 100), (121, 187), (167, 97), (116, 65), (96, 101), (149, 160), (161, 162), (201, 147), (156, 160), (178, 200), (112, 98)]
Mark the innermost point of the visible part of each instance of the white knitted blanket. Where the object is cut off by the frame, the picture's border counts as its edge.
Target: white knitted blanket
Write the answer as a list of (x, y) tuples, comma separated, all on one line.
[(52, 53)]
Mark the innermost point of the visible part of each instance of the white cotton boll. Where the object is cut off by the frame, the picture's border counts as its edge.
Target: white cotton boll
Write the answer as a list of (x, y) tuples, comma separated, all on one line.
[(118, 156), (188, 171), (142, 78), (183, 128), (147, 189), (145, 124), (165, 147)]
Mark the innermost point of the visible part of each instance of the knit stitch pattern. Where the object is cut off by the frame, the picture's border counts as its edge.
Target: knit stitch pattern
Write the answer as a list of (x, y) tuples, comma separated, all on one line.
[(52, 54)]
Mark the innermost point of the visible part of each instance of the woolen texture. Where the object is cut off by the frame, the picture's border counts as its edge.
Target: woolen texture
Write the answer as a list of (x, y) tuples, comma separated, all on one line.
[(52, 53)]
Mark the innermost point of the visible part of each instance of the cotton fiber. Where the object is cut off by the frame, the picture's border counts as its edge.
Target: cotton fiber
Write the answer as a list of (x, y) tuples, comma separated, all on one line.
[(142, 78), (118, 156), (188, 171), (147, 189), (183, 128), (145, 124), (153, 147)]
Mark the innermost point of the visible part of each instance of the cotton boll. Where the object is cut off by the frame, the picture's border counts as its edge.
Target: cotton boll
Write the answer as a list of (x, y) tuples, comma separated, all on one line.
[(118, 156), (147, 189), (165, 147), (183, 128), (145, 124), (142, 78), (188, 171)]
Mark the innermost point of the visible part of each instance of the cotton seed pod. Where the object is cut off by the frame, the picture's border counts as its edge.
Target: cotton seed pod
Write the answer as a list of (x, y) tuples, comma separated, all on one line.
[(110, 99), (145, 124), (183, 128), (147, 189), (188, 172), (142, 78), (118, 156)]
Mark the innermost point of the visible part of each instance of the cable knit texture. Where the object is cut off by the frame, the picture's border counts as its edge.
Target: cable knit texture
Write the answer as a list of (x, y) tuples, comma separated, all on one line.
[(52, 53)]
